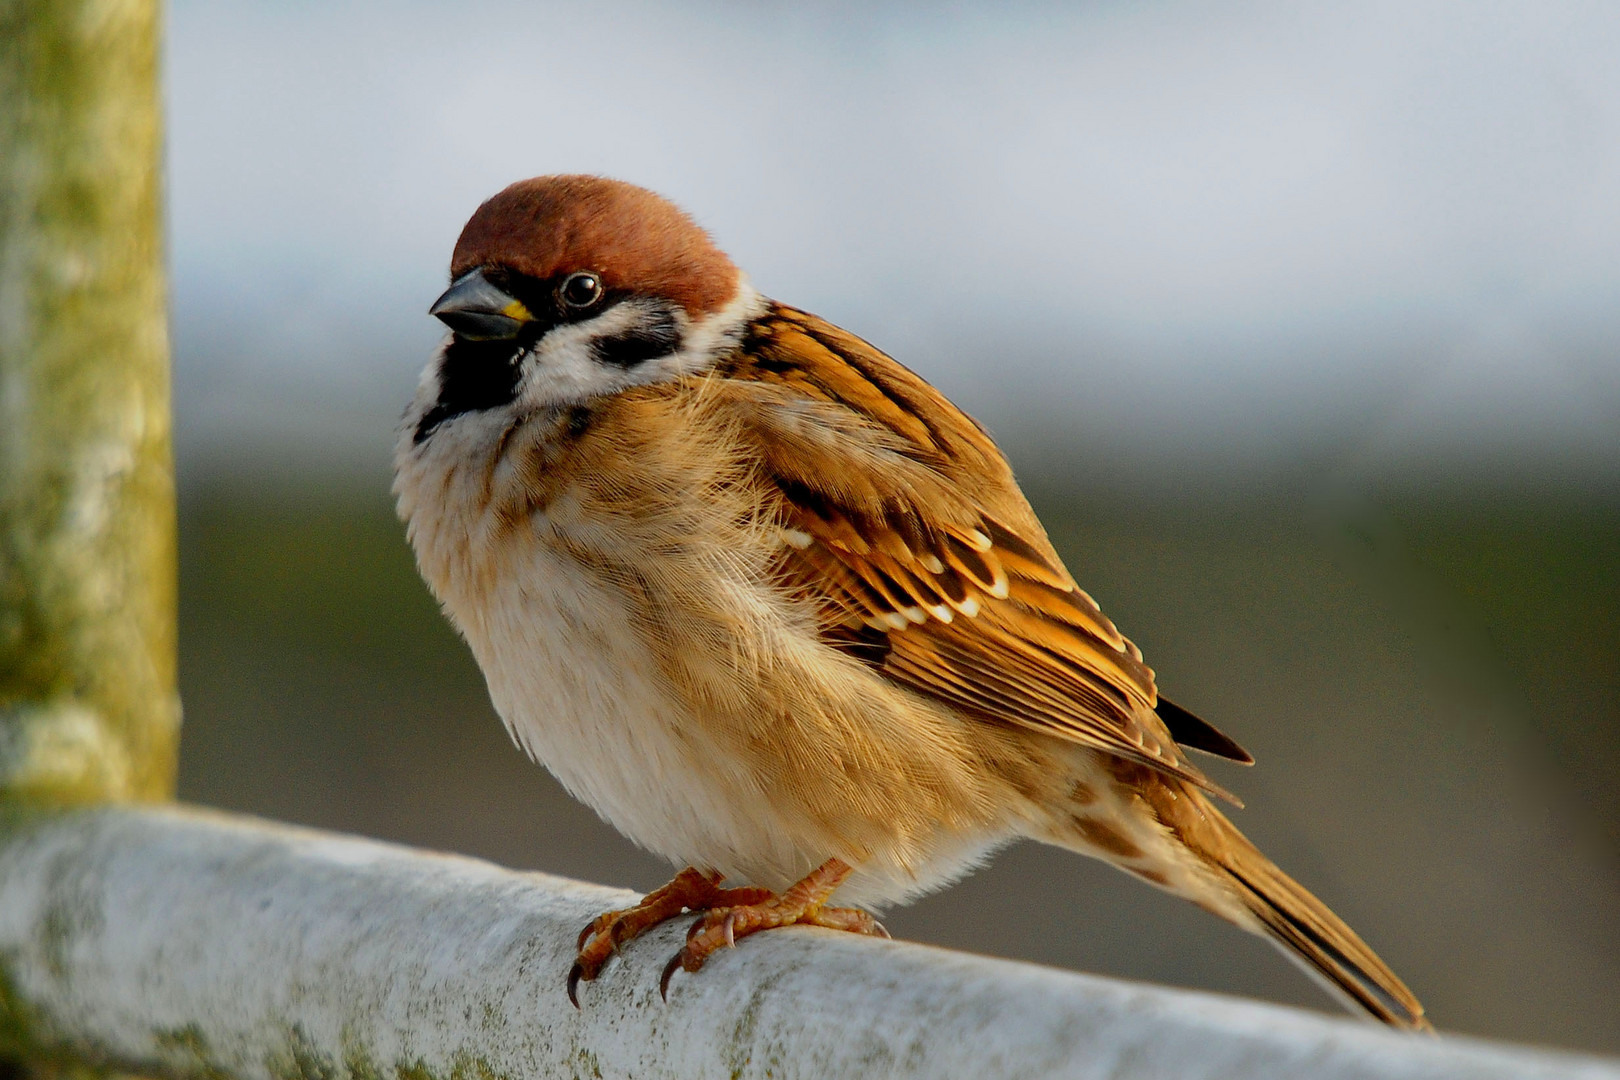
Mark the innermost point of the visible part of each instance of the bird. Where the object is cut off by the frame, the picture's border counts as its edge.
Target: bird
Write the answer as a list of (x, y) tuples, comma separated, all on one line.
[(777, 610)]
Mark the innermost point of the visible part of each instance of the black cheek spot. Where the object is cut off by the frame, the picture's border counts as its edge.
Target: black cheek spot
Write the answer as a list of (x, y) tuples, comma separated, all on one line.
[(658, 336), (474, 375), (578, 421)]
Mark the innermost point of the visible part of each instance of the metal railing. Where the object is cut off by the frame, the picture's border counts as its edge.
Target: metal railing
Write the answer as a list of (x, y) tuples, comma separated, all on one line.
[(183, 943)]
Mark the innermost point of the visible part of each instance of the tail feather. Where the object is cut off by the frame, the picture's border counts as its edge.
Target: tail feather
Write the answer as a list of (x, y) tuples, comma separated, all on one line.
[(1310, 933), (1188, 847)]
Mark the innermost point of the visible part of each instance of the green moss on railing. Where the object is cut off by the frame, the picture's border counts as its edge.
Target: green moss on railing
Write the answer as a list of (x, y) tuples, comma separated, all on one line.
[(17, 1020)]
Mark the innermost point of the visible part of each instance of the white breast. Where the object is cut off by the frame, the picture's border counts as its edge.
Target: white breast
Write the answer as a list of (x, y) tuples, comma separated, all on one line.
[(574, 682), (580, 693)]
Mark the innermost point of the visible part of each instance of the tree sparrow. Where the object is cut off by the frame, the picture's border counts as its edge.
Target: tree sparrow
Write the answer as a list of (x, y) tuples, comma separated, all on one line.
[(776, 609)]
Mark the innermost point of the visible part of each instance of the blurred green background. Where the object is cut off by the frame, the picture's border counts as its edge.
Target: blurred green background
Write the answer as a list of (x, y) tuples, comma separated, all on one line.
[(1430, 687), (1300, 322)]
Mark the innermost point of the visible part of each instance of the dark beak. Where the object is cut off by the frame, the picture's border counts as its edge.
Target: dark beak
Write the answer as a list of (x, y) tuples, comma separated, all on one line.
[(475, 309)]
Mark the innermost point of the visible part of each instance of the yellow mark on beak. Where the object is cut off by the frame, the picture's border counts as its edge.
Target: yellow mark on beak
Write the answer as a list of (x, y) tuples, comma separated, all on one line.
[(516, 310)]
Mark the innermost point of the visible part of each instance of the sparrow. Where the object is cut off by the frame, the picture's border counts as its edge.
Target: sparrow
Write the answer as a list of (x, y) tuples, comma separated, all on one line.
[(777, 610)]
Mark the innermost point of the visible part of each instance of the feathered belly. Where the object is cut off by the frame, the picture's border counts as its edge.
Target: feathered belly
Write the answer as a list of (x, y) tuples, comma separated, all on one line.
[(581, 693)]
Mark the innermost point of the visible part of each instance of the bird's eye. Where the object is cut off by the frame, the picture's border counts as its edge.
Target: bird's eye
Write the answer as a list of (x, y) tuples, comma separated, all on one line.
[(580, 290)]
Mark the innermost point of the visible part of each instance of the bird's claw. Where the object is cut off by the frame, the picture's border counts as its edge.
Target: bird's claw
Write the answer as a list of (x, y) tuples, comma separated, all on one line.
[(604, 935), (592, 928), (720, 928), (728, 914), (669, 973), (575, 973)]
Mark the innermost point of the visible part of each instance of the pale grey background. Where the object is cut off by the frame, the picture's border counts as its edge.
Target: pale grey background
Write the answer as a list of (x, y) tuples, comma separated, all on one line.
[(1232, 237)]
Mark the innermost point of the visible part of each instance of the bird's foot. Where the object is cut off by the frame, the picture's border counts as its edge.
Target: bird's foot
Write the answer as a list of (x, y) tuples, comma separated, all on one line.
[(691, 890), (720, 927)]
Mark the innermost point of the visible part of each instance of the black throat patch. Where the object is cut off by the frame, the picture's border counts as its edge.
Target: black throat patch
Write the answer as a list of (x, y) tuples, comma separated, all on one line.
[(474, 375)]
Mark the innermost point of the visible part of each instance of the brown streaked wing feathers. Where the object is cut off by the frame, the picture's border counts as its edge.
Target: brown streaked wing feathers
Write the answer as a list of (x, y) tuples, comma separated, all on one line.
[(904, 524)]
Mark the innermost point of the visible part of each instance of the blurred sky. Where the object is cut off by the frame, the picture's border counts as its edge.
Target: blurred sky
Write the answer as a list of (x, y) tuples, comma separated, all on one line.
[(1254, 240)]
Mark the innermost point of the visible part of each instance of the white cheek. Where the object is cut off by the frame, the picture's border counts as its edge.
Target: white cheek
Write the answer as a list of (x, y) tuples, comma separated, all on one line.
[(562, 367), (558, 373)]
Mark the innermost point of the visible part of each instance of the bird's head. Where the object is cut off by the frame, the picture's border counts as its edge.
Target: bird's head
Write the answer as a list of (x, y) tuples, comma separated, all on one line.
[(568, 288)]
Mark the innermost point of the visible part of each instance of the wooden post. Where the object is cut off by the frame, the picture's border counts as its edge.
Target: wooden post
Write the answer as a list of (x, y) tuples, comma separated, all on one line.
[(88, 703)]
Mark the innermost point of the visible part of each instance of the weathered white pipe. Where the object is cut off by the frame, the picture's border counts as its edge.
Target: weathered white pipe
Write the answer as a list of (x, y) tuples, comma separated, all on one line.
[(186, 943)]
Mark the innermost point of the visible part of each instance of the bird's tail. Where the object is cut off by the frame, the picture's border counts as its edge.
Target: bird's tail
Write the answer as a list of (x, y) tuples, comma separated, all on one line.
[(1304, 928), (1169, 834)]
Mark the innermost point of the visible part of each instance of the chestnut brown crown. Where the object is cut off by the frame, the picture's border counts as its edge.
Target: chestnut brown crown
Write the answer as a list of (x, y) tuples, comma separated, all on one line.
[(633, 239)]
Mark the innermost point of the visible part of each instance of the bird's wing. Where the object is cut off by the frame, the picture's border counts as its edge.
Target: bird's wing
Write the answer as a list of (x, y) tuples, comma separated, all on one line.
[(902, 521)]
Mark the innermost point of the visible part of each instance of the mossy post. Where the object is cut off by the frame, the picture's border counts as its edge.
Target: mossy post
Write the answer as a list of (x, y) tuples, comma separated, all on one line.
[(88, 705)]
